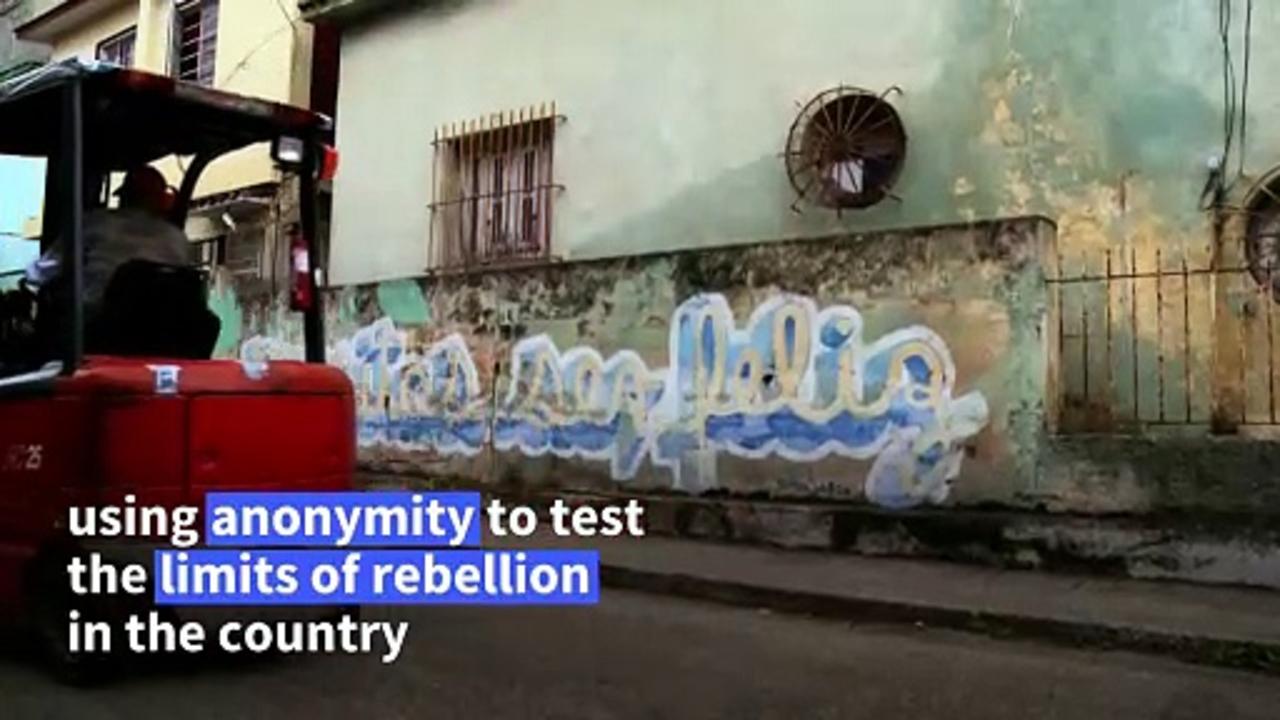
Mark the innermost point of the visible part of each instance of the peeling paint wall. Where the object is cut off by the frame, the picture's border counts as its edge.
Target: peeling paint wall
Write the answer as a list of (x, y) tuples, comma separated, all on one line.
[(900, 368), (1100, 115)]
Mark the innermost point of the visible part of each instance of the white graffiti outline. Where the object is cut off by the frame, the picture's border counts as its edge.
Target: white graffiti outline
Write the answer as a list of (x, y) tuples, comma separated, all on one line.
[(550, 389)]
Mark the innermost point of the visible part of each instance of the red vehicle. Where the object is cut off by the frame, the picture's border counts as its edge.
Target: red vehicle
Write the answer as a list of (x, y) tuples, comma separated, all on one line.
[(127, 402)]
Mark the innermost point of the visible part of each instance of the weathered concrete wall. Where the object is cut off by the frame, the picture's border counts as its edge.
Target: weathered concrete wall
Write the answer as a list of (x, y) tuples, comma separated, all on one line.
[(256, 54), (523, 381), (19, 177), (903, 368), (1103, 116), (1099, 114)]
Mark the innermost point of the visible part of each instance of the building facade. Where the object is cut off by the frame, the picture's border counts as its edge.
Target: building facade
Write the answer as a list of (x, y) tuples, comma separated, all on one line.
[(242, 46), (924, 254), (674, 118), (19, 200)]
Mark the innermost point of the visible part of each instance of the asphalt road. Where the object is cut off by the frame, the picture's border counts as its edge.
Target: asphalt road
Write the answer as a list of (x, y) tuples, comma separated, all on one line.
[(638, 656)]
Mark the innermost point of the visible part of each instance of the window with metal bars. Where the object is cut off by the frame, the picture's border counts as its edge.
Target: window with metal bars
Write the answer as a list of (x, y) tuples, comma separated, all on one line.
[(212, 253), (493, 189), (240, 253), (195, 41), (118, 49)]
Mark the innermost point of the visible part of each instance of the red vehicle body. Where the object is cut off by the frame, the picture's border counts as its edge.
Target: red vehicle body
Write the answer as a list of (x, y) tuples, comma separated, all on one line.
[(104, 433), (78, 427)]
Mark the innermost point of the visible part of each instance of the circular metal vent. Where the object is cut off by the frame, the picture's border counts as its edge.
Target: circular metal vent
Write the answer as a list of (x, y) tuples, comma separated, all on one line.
[(1262, 233), (845, 149)]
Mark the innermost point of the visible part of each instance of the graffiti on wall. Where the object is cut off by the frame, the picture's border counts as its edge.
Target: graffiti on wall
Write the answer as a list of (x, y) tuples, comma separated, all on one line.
[(794, 381)]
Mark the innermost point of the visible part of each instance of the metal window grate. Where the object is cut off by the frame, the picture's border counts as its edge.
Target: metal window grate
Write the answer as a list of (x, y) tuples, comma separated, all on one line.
[(196, 41), (239, 253), (119, 49), (492, 189), (1154, 338), (212, 253)]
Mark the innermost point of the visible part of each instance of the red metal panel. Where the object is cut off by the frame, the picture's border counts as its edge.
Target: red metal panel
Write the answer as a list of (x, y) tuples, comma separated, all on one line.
[(113, 429), (199, 377), (42, 439), (282, 442), (142, 443)]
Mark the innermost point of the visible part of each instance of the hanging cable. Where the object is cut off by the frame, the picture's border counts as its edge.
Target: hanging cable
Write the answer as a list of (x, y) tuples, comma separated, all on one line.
[(1244, 83), (293, 22), (1228, 80), (1215, 187)]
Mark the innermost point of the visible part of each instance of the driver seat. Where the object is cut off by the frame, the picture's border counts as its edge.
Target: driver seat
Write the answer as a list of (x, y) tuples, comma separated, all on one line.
[(154, 310)]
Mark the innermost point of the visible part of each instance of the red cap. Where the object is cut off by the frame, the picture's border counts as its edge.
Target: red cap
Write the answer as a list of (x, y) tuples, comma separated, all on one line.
[(144, 181)]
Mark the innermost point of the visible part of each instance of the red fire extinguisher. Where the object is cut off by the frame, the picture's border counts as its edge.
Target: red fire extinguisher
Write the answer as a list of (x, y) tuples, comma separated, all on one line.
[(301, 290)]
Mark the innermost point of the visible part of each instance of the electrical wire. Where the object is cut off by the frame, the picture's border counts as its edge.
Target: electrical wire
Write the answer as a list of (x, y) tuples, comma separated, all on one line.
[(1244, 84), (244, 61), (1235, 106), (285, 11), (1228, 81)]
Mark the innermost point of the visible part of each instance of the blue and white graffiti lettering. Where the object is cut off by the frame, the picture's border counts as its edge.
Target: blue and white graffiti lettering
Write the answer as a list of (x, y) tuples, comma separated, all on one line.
[(793, 382)]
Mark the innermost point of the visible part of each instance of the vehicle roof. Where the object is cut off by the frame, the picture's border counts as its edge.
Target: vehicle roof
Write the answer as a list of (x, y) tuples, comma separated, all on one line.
[(134, 117)]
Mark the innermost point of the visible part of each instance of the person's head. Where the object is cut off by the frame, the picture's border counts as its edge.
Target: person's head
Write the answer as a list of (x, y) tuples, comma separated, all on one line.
[(144, 188)]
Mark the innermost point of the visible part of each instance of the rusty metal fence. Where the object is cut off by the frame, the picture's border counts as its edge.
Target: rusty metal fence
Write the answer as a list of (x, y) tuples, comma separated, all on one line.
[(1158, 338)]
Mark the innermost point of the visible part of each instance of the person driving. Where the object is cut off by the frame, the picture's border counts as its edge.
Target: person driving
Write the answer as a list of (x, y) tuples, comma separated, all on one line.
[(136, 230)]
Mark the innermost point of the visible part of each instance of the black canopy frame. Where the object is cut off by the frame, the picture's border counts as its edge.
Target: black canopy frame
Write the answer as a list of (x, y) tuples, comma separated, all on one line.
[(91, 119)]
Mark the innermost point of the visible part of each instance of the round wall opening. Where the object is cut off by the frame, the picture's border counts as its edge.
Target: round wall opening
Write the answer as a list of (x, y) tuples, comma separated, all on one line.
[(1262, 233), (846, 149)]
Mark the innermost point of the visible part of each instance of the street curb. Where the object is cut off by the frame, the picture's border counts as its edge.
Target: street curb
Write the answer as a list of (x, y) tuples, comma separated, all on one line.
[(1216, 652), (674, 518), (1160, 547)]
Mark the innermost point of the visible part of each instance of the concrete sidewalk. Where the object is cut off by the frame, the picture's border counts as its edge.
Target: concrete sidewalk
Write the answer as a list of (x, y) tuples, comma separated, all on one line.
[(1223, 626)]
